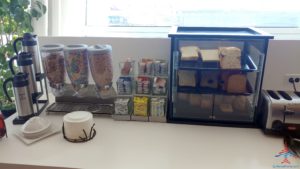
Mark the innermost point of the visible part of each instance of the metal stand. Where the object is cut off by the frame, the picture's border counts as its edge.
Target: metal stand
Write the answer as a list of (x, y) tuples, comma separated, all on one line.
[(89, 101), (36, 100)]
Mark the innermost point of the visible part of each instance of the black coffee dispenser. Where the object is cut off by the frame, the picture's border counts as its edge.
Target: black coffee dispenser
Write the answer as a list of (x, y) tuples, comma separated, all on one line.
[(24, 62), (22, 95)]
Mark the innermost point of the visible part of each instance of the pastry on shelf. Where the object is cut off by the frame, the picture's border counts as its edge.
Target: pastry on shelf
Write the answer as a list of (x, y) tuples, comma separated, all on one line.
[(189, 53), (206, 101), (187, 78), (183, 96), (233, 82), (227, 108), (239, 103), (230, 57), (236, 83), (195, 99), (209, 79), (209, 55)]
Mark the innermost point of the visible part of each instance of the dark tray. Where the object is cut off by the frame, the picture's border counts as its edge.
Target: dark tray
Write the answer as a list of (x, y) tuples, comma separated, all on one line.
[(218, 32)]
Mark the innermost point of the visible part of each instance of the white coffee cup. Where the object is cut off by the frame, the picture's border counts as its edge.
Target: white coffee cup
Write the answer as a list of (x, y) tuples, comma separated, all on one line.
[(77, 121)]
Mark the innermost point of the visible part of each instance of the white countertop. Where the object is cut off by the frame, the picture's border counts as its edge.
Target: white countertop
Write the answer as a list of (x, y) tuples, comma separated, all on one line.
[(143, 145)]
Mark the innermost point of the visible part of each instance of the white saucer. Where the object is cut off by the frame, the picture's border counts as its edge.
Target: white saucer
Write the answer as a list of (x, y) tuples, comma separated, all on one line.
[(53, 130)]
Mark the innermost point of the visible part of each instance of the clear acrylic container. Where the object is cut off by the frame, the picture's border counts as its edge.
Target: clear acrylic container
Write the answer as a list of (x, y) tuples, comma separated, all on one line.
[(127, 67), (123, 106), (160, 68), (140, 105), (158, 107), (100, 59), (54, 68), (76, 62), (145, 67), (125, 85), (143, 85), (159, 86)]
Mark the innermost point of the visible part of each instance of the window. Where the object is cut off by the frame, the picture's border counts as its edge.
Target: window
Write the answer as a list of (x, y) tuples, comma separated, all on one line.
[(94, 17), (258, 13)]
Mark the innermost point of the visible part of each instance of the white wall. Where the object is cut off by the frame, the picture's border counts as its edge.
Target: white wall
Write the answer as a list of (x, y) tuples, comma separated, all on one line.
[(283, 58), (283, 55)]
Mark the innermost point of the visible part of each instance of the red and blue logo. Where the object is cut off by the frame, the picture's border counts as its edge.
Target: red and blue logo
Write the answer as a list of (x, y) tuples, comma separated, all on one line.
[(286, 154)]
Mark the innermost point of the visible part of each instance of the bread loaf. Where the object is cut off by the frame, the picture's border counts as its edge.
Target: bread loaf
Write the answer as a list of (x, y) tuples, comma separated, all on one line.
[(233, 82), (236, 83), (209, 55), (189, 53), (230, 57), (187, 78)]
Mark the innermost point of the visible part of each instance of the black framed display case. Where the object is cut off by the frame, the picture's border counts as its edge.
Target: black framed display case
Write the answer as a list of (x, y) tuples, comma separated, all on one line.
[(222, 84)]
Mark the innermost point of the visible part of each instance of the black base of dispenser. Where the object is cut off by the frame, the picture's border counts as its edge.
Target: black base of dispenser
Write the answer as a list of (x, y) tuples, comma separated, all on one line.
[(21, 120)]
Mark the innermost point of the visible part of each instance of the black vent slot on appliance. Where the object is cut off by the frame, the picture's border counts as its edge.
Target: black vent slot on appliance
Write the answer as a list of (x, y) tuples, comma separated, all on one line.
[(285, 95), (273, 94), (297, 93)]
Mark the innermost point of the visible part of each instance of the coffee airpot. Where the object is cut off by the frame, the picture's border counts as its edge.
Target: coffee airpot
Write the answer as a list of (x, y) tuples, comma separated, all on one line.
[(25, 65), (30, 44), (22, 95)]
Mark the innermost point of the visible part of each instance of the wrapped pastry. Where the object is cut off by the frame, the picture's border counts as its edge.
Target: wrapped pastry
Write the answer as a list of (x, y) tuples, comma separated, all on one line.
[(239, 103), (226, 108), (183, 96), (209, 79), (234, 82), (206, 101), (195, 99), (230, 57), (189, 53), (187, 78), (209, 55)]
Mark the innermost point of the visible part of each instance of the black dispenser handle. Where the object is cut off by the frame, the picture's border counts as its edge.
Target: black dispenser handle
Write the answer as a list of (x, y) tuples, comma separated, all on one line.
[(10, 64), (5, 88), (15, 44)]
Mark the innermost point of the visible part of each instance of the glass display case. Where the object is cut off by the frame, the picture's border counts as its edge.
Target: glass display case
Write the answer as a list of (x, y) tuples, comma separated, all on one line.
[(216, 74)]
